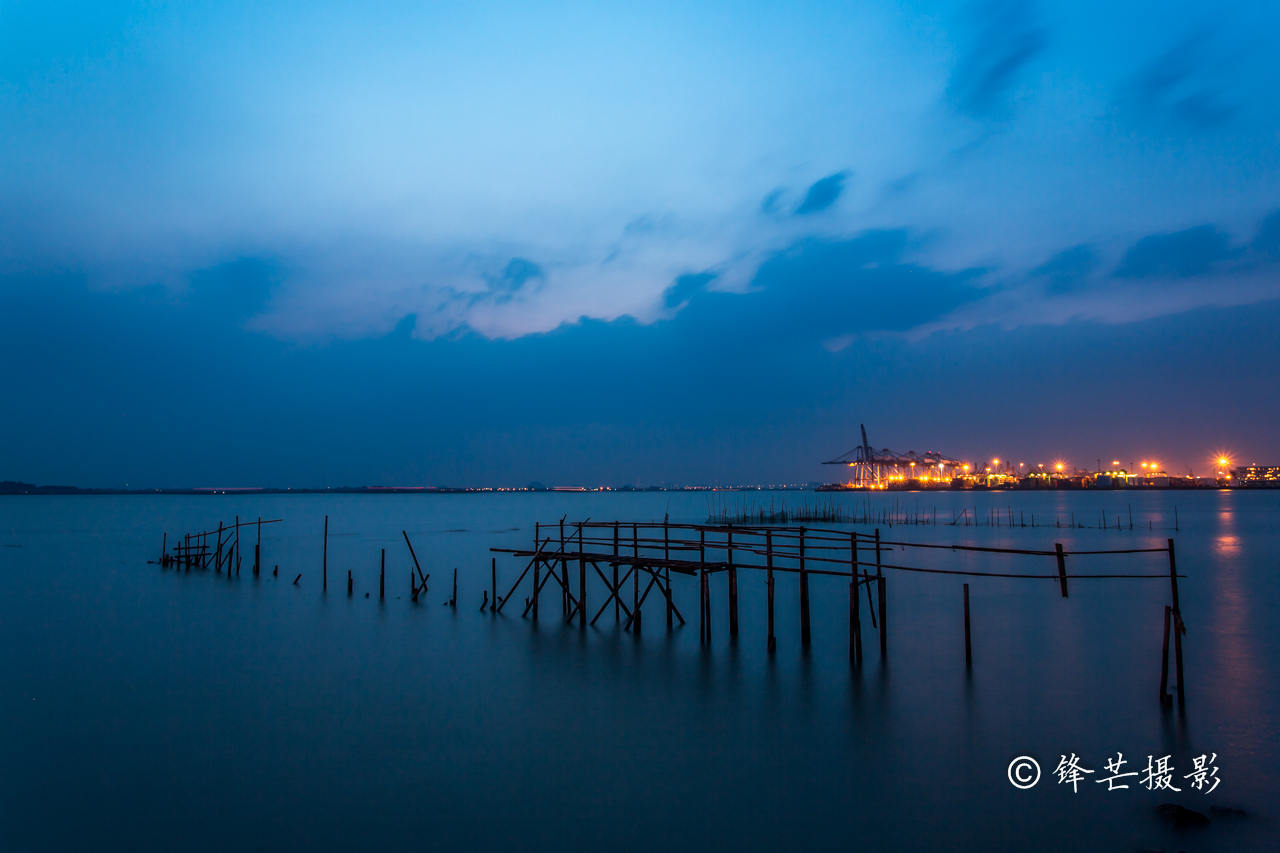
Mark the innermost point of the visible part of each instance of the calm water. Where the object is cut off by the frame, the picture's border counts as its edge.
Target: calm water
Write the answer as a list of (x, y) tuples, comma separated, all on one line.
[(150, 710)]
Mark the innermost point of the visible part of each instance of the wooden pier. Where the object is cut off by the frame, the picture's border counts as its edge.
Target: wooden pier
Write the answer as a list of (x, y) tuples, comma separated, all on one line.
[(648, 553)]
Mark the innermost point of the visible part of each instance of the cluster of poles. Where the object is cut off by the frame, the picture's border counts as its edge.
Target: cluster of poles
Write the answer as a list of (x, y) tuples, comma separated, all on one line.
[(195, 551), (648, 553), (645, 554), (899, 512)]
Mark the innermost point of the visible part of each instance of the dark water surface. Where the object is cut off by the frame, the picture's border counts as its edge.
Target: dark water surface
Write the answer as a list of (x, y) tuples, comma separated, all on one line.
[(143, 709)]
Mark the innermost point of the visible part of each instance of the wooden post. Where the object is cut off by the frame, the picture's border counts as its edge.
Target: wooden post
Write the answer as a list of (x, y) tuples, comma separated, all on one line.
[(493, 599), (164, 547), (324, 558), (348, 583), (670, 605), (704, 602), (237, 546), (582, 581), (733, 587), (1179, 628), (617, 601), (635, 575), (804, 596), (855, 614), (880, 596), (537, 565), (257, 550), (1062, 567), (564, 573), (217, 563), (1164, 658), (382, 576), (771, 641), (968, 649), (453, 602), (666, 555)]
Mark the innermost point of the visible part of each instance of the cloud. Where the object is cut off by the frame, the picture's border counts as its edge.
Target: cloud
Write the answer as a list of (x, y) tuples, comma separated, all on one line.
[(1267, 240), (822, 290), (1180, 84), (1068, 270), (517, 272), (684, 288), (822, 194), (1179, 255), (1008, 37)]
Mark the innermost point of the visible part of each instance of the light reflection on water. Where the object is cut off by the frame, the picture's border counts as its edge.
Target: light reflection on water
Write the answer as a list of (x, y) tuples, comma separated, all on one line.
[(201, 712)]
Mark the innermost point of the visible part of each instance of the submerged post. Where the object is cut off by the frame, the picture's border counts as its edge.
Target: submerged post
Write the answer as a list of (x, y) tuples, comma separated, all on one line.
[(1062, 567), (453, 602), (257, 550), (772, 642), (1178, 627), (348, 582), (733, 586), (804, 596), (617, 601), (666, 555), (880, 595), (855, 616), (324, 558), (493, 599), (968, 649), (582, 582), (382, 576), (1164, 658)]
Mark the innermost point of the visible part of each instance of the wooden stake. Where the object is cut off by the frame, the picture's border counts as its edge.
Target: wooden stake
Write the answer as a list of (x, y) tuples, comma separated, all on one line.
[(804, 596), (453, 602), (349, 583), (582, 583), (880, 595), (1179, 628), (493, 604), (968, 649), (855, 614), (733, 587), (1062, 567), (771, 641), (1164, 658), (324, 559), (382, 576)]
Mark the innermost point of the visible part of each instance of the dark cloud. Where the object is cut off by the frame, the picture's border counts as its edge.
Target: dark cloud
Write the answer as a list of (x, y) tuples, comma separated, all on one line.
[(820, 290), (822, 194), (1180, 83), (514, 276), (1008, 37), (773, 201), (107, 389), (1267, 240), (1067, 270), (684, 288), (1178, 255), (235, 290)]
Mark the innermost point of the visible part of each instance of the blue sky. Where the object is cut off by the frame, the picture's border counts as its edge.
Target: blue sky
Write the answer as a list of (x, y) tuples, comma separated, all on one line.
[(876, 198)]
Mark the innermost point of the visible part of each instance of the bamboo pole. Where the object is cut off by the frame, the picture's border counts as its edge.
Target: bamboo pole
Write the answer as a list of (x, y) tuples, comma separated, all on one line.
[(1179, 628), (771, 641), (1164, 658), (804, 596), (968, 648)]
